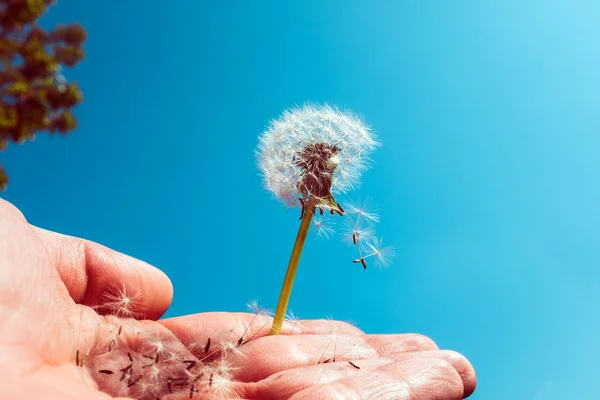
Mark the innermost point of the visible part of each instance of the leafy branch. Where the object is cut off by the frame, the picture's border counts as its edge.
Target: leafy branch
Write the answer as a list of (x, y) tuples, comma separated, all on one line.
[(34, 95)]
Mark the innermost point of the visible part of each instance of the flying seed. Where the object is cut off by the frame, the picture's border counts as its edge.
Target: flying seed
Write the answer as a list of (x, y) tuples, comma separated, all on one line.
[(207, 346), (354, 365)]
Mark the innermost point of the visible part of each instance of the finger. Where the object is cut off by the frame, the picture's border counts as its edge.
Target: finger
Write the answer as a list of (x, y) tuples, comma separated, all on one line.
[(415, 376), (231, 330), (273, 354), (112, 282)]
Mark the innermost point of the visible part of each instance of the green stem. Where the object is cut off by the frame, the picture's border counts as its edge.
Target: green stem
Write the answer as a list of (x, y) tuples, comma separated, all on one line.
[(288, 282)]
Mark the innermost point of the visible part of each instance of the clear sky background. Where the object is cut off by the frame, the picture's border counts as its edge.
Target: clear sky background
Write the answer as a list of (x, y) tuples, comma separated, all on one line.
[(487, 182)]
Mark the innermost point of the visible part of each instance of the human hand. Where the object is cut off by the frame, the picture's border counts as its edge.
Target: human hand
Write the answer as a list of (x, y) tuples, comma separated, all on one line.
[(79, 321)]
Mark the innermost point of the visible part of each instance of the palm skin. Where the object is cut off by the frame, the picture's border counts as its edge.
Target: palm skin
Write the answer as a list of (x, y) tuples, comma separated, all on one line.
[(55, 344)]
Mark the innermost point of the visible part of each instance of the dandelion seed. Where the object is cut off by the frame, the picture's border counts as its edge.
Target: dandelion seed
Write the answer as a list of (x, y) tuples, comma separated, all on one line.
[(295, 320), (357, 231), (228, 348), (190, 364), (362, 261), (130, 383), (383, 256), (106, 372), (255, 308), (323, 227), (259, 312), (362, 209), (120, 302)]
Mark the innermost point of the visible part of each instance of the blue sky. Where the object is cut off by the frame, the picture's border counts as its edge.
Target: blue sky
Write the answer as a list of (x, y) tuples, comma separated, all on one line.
[(487, 182)]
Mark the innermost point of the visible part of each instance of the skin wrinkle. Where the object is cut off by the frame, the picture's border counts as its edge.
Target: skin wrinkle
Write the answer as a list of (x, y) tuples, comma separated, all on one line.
[(406, 377), (140, 310), (321, 348), (85, 250), (437, 371), (287, 382), (72, 263)]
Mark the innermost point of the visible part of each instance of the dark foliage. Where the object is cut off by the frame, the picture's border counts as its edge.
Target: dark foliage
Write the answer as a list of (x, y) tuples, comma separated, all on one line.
[(34, 96)]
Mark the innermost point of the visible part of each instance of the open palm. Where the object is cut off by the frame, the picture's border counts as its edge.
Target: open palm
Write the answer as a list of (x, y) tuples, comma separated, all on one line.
[(79, 321)]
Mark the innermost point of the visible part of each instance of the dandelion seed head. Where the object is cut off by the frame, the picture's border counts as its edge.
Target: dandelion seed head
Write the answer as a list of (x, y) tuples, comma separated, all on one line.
[(314, 150)]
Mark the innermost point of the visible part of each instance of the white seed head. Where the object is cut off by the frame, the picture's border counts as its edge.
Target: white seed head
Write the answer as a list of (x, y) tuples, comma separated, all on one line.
[(314, 150)]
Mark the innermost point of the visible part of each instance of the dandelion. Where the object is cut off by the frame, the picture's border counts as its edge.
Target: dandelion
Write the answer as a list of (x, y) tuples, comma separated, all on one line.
[(307, 156), (382, 255)]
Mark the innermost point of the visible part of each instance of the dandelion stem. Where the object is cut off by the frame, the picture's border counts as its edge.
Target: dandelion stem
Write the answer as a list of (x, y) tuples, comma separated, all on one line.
[(288, 282)]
